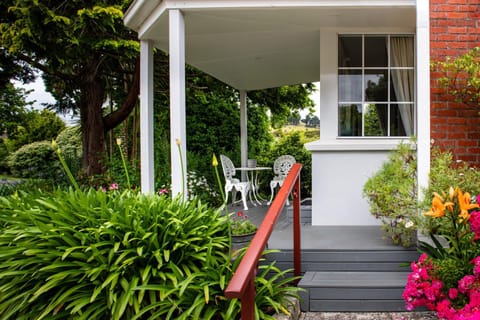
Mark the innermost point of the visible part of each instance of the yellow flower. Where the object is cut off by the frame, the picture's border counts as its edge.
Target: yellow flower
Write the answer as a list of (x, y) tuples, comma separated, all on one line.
[(465, 205), (54, 144), (214, 161), (178, 142), (119, 141), (438, 207)]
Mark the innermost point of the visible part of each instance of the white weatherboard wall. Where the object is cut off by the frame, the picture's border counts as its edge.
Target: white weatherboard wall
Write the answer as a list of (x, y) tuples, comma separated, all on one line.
[(338, 177)]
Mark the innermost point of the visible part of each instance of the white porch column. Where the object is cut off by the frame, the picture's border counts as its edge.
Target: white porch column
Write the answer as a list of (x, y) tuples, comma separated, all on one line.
[(243, 132), (177, 103), (423, 95), (146, 116)]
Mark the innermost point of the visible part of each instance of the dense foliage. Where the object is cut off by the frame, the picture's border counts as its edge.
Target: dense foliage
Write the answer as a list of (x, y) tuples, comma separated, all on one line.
[(34, 126), (460, 76), (36, 160), (392, 192), (110, 255), (392, 195), (293, 143), (85, 54)]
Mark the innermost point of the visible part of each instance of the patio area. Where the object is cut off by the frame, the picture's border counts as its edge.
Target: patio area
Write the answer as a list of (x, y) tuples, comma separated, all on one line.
[(318, 237)]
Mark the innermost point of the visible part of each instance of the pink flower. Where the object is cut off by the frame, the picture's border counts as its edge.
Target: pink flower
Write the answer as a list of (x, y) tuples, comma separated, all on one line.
[(452, 293), (113, 186), (466, 283), (162, 191), (474, 222)]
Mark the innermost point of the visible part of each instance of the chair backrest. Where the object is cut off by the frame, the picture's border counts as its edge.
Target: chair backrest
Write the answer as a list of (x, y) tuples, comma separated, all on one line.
[(282, 165), (228, 167)]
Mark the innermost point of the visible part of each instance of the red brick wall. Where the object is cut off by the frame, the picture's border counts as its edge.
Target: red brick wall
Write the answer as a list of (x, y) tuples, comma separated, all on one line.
[(454, 30)]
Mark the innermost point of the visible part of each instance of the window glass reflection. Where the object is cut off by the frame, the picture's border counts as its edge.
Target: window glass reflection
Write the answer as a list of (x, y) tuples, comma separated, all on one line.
[(376, 86), (350, 85), (350, 120)]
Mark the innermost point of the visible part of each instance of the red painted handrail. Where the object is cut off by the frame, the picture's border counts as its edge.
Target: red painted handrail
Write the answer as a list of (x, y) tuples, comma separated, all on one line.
[(242, 284)]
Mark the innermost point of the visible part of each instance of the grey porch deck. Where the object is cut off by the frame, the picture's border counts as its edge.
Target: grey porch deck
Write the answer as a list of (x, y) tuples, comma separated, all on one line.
[(345, 268)]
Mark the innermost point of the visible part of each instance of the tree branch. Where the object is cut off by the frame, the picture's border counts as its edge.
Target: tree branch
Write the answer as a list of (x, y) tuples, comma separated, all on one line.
[(115, 118), (43, 68)]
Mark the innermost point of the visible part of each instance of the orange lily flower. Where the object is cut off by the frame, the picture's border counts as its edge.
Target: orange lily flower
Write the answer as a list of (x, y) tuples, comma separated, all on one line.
[(465, 205), (438, 207)]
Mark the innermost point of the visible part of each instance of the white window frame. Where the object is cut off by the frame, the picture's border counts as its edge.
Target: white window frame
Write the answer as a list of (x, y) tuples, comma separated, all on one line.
[(365, 103)]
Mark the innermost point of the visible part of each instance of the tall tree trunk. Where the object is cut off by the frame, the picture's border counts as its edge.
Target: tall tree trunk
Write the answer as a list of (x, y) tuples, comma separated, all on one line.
[(93, 130), (94, 125)]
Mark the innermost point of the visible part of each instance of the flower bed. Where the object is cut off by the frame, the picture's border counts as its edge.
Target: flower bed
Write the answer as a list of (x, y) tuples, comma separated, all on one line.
[(446, 278)]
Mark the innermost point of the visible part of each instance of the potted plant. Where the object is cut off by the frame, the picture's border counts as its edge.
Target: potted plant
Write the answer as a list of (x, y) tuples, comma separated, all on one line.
[(243, 230)]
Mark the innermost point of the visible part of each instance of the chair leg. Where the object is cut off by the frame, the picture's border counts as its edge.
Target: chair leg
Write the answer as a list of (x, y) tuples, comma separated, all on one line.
[(226, 195), (244, 198), (272, 190)]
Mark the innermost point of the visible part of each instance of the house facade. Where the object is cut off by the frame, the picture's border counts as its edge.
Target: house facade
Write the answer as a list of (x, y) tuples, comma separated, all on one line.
[(370, 57)]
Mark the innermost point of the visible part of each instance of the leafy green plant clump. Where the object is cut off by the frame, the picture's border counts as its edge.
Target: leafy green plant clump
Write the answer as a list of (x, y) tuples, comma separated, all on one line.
[(110, 255), (392, 195), (446, 172)]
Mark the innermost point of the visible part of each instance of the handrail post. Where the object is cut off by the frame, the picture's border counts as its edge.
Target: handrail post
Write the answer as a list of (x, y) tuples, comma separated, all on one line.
[(242, 284), (297, 268), (248, 300)]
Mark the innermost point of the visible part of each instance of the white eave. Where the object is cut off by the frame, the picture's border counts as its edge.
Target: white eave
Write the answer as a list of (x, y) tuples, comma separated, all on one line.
[(261, 44)]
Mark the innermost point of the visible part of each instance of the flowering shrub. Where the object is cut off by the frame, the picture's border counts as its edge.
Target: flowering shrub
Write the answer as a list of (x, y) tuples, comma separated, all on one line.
[(446, 278), (197, 186), (241, 225)]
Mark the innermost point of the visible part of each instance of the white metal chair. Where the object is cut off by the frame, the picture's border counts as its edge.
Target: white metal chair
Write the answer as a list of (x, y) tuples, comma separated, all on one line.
[(281, 167), (233, 184)]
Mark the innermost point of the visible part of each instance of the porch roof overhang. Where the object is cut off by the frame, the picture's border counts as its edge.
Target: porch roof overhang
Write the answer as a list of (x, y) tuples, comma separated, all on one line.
[(253, 45)]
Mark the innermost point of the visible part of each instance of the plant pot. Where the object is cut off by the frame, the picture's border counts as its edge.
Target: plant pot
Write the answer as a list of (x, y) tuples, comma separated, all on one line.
[(241, 241)]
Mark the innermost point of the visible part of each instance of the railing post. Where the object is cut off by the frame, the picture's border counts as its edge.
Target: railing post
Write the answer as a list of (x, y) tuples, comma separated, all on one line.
[(297, 268), (248, 300), (242, 284)]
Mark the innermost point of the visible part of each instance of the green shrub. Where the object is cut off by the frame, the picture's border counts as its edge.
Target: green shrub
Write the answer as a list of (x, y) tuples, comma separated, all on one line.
[(3, 156), (292, 143), (69, 140), (392, 195), (95, 255), (445, 172), (36, 160), (392, 192)]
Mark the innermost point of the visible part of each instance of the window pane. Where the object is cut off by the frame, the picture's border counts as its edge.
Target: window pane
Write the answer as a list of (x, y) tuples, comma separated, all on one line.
[(376, 116), (402, 51), (376, 88), (401, 120), (350, 51), (401, 85), (376, 52), (350, 120), (350, 85)]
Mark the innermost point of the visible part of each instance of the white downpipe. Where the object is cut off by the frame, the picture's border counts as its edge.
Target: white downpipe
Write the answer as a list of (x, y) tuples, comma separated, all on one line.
[(177, 103), (146, 117)]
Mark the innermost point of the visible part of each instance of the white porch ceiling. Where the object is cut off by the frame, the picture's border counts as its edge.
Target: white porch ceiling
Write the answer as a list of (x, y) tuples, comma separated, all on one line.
[(262, 44)]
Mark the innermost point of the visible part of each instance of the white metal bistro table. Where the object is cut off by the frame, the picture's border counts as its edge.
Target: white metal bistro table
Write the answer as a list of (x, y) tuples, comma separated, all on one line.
[(252, 176)]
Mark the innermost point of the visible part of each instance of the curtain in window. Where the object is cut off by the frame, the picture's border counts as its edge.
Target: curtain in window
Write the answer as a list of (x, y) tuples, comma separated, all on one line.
[(403, 80)]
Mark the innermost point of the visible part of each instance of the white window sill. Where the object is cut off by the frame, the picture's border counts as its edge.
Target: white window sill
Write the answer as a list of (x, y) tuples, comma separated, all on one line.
[(360, 144)]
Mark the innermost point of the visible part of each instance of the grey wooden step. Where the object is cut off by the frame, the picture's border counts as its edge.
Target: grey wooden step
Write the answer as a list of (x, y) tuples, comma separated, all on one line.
[(353, 291), (348, 260)]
